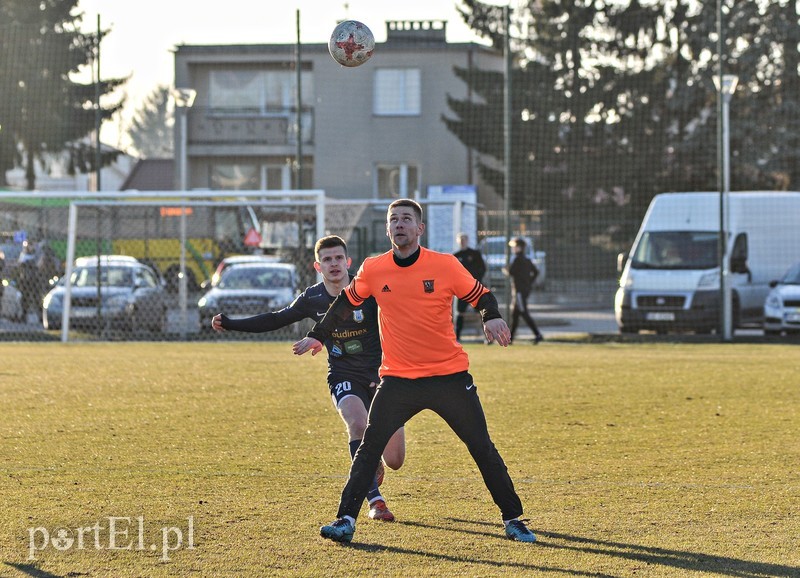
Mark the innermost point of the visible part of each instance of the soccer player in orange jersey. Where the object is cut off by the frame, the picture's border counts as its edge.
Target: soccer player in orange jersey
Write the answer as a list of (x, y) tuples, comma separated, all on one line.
[(423, 365)]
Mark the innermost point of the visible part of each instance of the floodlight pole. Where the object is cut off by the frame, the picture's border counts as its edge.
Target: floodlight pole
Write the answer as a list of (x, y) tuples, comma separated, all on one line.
[(507, 152), (298, 166), (184, 99), (726, 86)]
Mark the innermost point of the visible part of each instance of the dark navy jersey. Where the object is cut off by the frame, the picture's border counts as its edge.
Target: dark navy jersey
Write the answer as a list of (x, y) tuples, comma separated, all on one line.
[(354, 348)]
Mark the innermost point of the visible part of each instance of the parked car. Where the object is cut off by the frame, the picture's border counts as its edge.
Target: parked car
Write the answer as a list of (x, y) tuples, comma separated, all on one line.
[(246, 289), (782, 306), (131, 295), (236, 260), (27, 272), (493, 250)]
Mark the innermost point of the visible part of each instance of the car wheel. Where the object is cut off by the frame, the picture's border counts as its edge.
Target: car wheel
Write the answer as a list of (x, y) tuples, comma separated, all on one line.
[(53, 324), (160, 325)]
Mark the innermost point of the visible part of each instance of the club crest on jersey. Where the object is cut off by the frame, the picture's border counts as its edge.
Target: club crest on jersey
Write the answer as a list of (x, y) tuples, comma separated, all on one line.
[(358, 315), (427, 284)]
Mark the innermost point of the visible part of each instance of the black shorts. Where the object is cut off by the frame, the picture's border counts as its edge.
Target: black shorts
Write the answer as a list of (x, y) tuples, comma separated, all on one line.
[(341, 387)]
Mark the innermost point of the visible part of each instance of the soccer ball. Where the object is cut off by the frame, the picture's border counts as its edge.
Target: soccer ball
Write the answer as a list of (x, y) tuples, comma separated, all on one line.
[(351, 43)]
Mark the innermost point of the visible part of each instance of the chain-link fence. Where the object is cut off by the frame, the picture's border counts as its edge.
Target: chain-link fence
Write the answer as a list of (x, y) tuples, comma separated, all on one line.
[(159, 266)]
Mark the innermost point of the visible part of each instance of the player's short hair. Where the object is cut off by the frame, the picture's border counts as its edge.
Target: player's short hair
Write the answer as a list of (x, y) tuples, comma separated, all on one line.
[(327, 243), (408, 203)]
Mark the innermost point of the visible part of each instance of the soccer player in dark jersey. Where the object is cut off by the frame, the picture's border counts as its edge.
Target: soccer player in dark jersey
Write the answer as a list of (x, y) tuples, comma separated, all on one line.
[(354, 354), (423, 366)]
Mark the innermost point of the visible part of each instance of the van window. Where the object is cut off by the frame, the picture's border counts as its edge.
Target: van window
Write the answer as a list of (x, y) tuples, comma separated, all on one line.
[(676, 250)]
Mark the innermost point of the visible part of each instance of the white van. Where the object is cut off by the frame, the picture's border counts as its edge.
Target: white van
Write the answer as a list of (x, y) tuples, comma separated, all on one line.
[(671, 280)]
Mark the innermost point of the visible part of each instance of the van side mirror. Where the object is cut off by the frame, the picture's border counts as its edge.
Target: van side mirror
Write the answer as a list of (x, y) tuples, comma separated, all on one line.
[(739, 265)]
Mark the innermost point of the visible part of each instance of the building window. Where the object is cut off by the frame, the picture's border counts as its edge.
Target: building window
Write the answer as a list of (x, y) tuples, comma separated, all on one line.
[(396, 181), (236, 177), (257, 91), (397, 92)]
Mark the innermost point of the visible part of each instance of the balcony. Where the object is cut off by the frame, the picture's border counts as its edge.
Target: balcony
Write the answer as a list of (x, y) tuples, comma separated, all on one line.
[(228, 126)]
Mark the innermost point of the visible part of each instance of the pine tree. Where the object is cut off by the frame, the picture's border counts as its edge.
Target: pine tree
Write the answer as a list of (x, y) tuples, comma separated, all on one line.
[(43, 110), (151, 130), (765, 111)]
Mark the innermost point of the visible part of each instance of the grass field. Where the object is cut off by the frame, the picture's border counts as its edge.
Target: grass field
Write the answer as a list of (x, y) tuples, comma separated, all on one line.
[(631, 460)]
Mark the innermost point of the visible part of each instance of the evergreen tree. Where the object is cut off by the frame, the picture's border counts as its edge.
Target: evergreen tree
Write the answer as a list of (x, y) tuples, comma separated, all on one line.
[(43, 109), (764, 52), (151, 130)]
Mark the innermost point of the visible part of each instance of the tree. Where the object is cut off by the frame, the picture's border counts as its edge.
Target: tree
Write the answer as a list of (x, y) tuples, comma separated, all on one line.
[(765, 111), (151, 130), (613, 101), (43, 109)]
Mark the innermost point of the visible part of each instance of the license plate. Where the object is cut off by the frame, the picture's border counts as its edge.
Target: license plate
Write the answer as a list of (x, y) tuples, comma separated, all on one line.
[(84, 312), (660, 316), (793, 317)]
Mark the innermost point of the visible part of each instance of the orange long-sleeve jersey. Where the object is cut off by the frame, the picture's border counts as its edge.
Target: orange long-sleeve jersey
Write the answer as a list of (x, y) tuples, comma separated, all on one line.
[(415, 311)]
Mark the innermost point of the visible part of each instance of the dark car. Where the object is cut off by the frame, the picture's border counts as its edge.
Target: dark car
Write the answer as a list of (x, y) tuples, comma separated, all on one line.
[(247, 289), (131, 296)]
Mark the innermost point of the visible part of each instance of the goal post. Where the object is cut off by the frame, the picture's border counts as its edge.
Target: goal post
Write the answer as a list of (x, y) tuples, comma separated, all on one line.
[(197, 204)]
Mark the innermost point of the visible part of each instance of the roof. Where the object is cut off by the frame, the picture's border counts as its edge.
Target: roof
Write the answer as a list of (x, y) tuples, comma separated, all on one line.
[(151, 175)]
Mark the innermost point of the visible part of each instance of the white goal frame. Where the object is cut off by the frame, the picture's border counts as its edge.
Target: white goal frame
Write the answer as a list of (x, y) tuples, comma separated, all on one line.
[(182, 200)]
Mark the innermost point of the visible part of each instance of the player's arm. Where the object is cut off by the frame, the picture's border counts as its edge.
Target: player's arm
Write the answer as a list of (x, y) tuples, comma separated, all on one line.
[(473, 292), (263, 322), (494, 326), (339, 310)]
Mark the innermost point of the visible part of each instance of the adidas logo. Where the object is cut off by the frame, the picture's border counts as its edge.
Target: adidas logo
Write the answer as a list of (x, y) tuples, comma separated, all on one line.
[(386, 289)]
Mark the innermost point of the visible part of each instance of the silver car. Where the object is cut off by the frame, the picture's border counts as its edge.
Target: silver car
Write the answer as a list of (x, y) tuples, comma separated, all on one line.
[(130, 296), (782, 306), (247, 289)]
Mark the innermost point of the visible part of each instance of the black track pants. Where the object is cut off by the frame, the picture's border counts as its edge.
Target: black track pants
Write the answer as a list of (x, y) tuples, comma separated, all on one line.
[(455, 399)]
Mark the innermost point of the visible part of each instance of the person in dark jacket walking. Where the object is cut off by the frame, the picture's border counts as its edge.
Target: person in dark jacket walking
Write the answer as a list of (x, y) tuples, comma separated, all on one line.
[(523, 273)]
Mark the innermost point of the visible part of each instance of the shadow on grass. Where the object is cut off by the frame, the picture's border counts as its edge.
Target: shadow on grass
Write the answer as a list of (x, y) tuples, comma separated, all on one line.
[(521, 566), (677, 559), (32, 570)]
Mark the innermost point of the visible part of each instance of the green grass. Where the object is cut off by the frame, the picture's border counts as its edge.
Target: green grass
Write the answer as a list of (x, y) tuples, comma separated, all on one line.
[(631, 460)]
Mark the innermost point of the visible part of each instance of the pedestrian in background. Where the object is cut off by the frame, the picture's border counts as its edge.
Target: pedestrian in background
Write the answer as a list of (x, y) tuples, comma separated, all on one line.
[(523, 273)]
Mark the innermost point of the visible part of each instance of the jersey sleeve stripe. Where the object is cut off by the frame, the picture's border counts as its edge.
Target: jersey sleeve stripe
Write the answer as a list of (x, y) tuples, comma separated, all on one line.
[(354, 297), (476, 291)]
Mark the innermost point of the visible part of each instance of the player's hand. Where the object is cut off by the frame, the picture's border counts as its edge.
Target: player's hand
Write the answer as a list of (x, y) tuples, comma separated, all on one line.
[(306, 344), (216, 323), (497, 330)]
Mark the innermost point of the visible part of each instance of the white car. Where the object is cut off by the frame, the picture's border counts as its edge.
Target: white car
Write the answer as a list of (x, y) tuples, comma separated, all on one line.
[(249, 288), (782, 306)]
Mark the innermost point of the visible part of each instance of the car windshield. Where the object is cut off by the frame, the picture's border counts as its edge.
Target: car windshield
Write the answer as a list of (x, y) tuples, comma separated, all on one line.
[(255, 278), (676, 250), (792, 276), (109, 276)]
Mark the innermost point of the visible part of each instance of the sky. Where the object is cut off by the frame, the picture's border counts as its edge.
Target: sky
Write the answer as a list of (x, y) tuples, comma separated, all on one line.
[(144, 32)]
